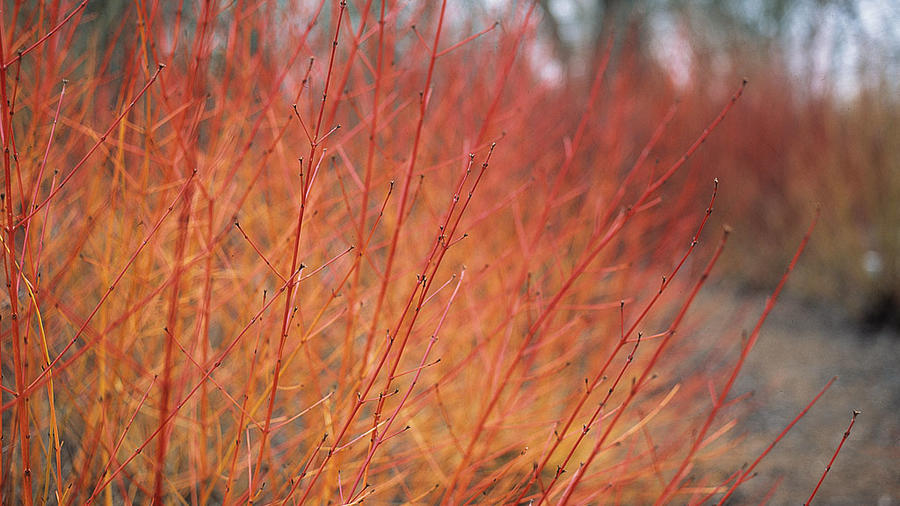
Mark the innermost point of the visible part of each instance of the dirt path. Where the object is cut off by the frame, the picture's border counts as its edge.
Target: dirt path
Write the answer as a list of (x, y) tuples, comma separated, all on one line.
[(800, 348)]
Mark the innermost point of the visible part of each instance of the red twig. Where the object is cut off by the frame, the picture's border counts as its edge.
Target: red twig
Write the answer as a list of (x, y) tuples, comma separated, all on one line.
[(47, 35), (833, 457), (745, 352), (103, 136), (746, 473)]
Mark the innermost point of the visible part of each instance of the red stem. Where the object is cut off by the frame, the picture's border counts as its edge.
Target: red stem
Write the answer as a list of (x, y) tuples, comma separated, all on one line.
[(833, 457), (720, 401), (647, 370), (306, 187), (746, 473)]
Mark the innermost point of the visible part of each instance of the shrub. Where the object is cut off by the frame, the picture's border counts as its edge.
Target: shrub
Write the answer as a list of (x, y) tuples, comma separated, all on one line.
[(409, 268)]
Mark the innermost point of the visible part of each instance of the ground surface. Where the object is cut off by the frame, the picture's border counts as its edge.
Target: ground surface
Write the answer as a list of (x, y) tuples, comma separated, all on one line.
[(800, 348)]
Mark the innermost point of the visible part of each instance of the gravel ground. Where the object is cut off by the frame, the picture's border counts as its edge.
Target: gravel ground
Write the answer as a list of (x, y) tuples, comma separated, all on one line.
[(800, 348)]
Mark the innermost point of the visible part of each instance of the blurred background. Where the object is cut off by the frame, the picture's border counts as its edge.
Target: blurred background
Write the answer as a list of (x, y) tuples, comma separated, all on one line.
[(817, 124), (816, 127)]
